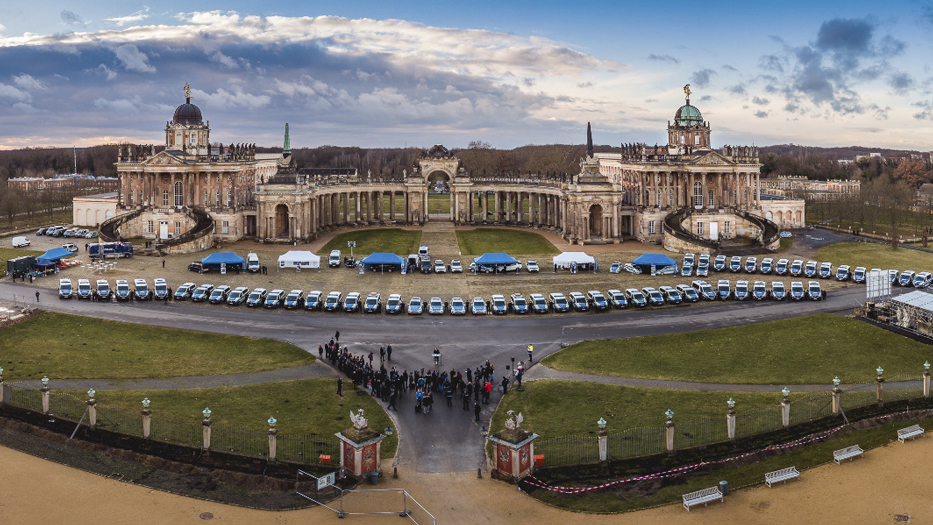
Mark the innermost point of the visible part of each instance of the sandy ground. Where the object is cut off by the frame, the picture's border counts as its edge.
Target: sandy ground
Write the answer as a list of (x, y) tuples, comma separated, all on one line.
[(886, 482)]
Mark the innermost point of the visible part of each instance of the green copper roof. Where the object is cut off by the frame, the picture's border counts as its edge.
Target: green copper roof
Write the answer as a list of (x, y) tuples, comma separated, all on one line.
[(688, 115), (287, 146)]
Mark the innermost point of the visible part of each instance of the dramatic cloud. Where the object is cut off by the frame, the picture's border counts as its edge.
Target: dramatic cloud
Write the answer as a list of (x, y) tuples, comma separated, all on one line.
[(826, 73), (760, 101), (132, 59), (663, 58), (761, 114), (72, 19), (701, 78), (129, 19)]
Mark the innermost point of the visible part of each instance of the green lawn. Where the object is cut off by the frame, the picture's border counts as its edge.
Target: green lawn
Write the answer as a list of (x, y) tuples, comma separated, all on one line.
[(300, 407), (554, 408), (67, 346), (873, 255), (391, 240), (484, 240), (803, 350), (438, 203)]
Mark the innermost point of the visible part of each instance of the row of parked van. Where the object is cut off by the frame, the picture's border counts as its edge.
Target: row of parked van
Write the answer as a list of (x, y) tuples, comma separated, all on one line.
[(140, 290), (395, 304)]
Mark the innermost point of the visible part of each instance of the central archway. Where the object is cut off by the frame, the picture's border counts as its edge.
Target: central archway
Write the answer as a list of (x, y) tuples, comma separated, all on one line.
[(281, 221), (596, 220), (438, 187)]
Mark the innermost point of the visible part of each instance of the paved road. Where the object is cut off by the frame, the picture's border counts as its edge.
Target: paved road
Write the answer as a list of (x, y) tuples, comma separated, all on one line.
[(451, 441)]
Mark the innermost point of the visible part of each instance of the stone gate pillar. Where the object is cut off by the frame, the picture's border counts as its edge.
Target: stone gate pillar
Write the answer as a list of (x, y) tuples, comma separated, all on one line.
[(514, 450), (360, 447)]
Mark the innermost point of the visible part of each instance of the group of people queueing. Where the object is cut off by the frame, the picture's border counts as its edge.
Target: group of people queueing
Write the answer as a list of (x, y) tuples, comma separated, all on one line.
[(472, 386)]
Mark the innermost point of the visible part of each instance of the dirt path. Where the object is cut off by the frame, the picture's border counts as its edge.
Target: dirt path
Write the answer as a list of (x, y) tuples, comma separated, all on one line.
[(886, 482)]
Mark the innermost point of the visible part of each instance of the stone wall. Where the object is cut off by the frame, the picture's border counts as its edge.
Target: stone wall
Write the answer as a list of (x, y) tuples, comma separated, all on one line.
[(90, 211)]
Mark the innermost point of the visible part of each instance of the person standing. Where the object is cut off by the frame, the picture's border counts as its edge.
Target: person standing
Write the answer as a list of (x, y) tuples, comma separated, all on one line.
[(436, 353), (37, 296), (389, 351), (340, 387), (382, 354), (531, 349), (337, 336), (392, 398), (476, 410)]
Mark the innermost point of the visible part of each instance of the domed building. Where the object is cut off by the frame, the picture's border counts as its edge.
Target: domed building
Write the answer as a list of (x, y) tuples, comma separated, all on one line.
[(187, 194)]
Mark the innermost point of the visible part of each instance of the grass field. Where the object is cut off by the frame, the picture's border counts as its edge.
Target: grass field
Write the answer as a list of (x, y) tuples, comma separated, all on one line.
[(390, 240), (739, 476), (67, 346), (301, 407), (873, 255), (484, 240), (803, 350), (555, 408)]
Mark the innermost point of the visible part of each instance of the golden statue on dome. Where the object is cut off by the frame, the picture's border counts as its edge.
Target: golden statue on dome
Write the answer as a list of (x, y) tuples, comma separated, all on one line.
[(187, 92), (687, 90)]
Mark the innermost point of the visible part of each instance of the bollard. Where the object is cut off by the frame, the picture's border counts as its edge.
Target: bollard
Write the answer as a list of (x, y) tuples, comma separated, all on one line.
[(479, 473), (394, 472)]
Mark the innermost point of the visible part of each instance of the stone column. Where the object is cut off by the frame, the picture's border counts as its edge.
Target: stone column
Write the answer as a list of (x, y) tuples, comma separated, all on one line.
[(602, 438), (669, 428), (497, 198), (147, 419), (785, 408), (45, 394), (206, 427), (392, 205), (926, 381), (730, 419), (346, 207), (837, 392), (91, 409), (272, 433), (2, 399), (879, 386)]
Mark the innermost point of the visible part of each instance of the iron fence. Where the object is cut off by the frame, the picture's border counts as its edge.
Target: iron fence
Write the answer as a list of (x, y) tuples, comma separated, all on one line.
[(187, 433), (239, 441), (312, 449), (568, 450), (758, 421), (700, 431), (811, 407), (638, 441)]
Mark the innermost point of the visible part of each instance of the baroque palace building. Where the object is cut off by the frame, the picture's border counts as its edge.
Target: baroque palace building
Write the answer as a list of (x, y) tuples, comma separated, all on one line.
[(189, 194)]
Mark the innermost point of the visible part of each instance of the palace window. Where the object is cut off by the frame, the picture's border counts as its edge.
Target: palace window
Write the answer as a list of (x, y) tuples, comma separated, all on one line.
[(149, 227), (177, 228), (226, 227), (698, 194), (164, 197), (230, 198), (696, 140), (699, 228), (179, 200), (217, 198), (658, 202), (726, 226), (670, 197), (650, 227), (712, 201)]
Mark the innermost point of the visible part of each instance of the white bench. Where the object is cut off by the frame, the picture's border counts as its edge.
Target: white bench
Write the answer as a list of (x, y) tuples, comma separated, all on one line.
[(702, 496), (846, 453), (781, 475), (909, 432)]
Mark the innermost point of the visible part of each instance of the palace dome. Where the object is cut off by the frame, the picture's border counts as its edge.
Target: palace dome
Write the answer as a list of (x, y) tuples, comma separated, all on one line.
[(687, 116), (188, 114)]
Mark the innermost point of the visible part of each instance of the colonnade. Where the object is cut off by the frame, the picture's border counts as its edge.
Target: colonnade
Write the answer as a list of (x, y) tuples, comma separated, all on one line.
[(205, 189), (670, 189)]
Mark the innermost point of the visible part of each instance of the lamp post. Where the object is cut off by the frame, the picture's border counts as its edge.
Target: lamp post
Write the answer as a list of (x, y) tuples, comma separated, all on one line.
[(147, 418), (730, 418), (669, 428), (206, 429), (45, 394), (272, 433), (785, 407), (91, 409), (926, 380), (879, 385), (602, 439), (1, 386)]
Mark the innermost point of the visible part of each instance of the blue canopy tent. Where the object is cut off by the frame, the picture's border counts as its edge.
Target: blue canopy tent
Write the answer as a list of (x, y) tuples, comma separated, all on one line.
[(383, 261), (495, 258), (230, 259), (495, 262), (657, 260), (53, 256)]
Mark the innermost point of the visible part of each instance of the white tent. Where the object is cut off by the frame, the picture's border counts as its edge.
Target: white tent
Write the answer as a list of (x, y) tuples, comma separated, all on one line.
[(299, 259), (566, 259)]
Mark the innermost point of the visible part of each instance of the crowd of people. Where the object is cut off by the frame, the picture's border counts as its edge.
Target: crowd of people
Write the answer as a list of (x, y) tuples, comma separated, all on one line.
[(471, 387)]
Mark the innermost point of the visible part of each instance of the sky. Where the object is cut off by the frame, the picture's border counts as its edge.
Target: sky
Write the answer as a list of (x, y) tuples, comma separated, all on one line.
[(394, 74)]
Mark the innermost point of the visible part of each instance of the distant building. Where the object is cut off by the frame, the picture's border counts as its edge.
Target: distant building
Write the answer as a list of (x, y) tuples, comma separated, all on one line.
[(63, 181), (801, 187)]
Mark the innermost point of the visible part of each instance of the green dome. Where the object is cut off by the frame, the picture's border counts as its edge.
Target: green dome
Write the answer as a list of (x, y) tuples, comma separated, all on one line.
[(687, 116)]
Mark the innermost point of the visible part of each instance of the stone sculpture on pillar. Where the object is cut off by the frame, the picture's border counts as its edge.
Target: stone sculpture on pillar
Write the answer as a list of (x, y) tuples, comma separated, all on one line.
[(514, 451), (361, 450)]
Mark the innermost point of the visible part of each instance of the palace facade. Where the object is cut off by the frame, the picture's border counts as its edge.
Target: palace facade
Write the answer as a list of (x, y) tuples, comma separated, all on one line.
[(684, 194)]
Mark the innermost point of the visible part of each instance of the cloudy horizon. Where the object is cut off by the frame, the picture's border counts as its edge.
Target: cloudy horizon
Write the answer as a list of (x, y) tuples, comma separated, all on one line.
[(833, 75)]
